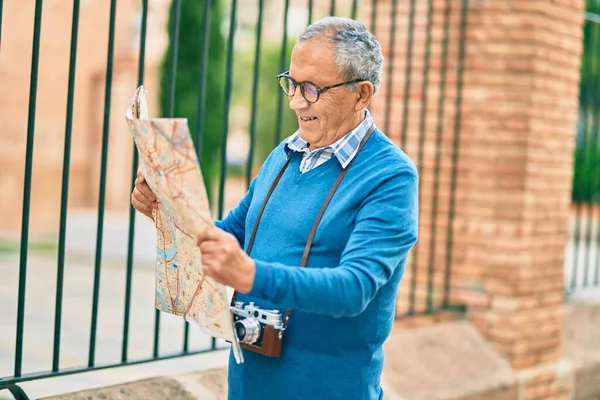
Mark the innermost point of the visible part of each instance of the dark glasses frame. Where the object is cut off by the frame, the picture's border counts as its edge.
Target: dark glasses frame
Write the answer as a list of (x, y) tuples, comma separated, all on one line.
[(301, 85)]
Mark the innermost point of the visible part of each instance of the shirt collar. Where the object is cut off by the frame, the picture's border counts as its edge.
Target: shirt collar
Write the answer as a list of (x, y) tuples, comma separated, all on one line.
[(344, 149)]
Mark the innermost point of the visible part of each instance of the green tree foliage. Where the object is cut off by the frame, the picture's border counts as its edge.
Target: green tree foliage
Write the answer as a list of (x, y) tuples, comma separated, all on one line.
[(268, 103), (188, 80), (267, 107), (586, 177)]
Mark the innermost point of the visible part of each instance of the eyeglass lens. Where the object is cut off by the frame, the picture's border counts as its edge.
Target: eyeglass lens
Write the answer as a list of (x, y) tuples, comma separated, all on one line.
[(309, 91)]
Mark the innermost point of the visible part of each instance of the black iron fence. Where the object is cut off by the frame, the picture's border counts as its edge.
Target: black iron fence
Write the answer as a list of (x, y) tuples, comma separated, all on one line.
[(583, 258), (205, 75)]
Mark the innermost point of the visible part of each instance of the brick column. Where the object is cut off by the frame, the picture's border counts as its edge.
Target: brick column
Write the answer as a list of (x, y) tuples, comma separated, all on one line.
[(517, 126)]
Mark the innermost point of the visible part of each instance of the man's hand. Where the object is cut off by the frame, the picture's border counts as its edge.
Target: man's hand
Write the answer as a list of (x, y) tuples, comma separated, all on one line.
[(224, 260), (142, 197)]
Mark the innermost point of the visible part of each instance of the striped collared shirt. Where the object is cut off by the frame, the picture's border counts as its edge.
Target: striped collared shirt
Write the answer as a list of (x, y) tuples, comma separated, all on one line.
[(344, 149)]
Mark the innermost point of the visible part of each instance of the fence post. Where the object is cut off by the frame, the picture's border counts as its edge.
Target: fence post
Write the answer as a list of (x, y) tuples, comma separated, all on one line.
[(517, 118)]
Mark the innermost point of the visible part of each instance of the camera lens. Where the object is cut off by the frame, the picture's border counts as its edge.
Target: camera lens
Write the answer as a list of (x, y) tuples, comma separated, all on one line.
[(247, 330), (240, 331)]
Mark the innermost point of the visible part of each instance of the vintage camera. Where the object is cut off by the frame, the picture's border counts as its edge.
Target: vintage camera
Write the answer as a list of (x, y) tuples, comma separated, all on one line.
[(258, 330)]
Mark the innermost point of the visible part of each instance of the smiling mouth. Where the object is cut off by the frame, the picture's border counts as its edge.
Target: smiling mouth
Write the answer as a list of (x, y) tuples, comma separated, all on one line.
[(307, 118)]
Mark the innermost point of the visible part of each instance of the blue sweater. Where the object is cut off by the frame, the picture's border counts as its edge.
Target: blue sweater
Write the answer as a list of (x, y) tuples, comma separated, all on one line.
[(343, 302)]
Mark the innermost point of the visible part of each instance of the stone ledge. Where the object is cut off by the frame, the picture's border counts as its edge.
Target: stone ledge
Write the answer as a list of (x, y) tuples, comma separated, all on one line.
[(155, 388), (429, 363), (581, 347), (206, 385)]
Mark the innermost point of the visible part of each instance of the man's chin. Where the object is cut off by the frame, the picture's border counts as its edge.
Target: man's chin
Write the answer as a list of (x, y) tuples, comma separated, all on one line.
[(304, 135)]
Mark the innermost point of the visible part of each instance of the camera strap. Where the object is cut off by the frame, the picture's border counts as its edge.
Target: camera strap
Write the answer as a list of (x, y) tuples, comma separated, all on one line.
[(313, 231)]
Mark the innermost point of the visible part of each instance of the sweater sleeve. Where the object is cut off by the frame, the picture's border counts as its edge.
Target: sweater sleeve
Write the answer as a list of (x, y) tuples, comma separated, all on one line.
[(386, 227), (235, 222)]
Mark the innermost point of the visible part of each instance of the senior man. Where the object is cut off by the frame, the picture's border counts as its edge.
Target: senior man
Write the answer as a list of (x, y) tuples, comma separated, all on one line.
[(352, 240)]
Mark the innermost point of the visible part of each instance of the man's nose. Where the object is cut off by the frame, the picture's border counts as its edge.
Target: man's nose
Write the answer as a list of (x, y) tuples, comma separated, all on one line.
[(297, 101)]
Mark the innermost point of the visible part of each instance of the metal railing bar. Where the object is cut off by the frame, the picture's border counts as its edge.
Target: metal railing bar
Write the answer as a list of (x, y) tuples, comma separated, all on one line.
[(132, 213), (282, 63), (595, 90), (593, 163), (65, 186), (227, 107), (390, 75), (173, 54), (437, 159), (37, 29), (373, 16), (407, 79), (580, 163), (6, 382), (421, 144), (458, 308), (1, 8), (254, 93), (17, 392), (455, 147), (205, 44), (102, 189)]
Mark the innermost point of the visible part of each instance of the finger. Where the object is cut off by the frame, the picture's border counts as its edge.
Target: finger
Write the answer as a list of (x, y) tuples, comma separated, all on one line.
[(144, 190), (141, 207), (139, 196), (209, 263), (209, 247), (143, 187), (210, 233)]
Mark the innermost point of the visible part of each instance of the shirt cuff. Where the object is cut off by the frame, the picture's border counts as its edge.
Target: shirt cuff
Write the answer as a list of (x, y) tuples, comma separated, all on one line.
[(262, 274)]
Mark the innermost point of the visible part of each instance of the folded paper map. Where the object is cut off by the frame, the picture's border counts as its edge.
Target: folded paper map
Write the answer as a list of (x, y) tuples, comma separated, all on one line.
[(169, 164)]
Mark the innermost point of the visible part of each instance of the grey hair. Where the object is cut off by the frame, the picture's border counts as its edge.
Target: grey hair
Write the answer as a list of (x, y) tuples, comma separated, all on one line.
[(358, 54)]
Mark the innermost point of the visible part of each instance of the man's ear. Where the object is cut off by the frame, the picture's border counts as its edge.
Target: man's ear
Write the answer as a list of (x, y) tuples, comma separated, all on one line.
[(364, 96)]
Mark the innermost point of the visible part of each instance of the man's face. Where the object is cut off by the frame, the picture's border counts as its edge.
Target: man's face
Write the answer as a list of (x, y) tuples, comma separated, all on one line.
[(334, 114)]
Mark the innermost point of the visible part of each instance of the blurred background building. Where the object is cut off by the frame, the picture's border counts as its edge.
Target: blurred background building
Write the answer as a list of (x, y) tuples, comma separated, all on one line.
[(88, 110)]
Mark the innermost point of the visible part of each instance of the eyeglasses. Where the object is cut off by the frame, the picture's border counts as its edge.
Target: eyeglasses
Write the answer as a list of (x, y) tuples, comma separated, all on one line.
[(309, 90)]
